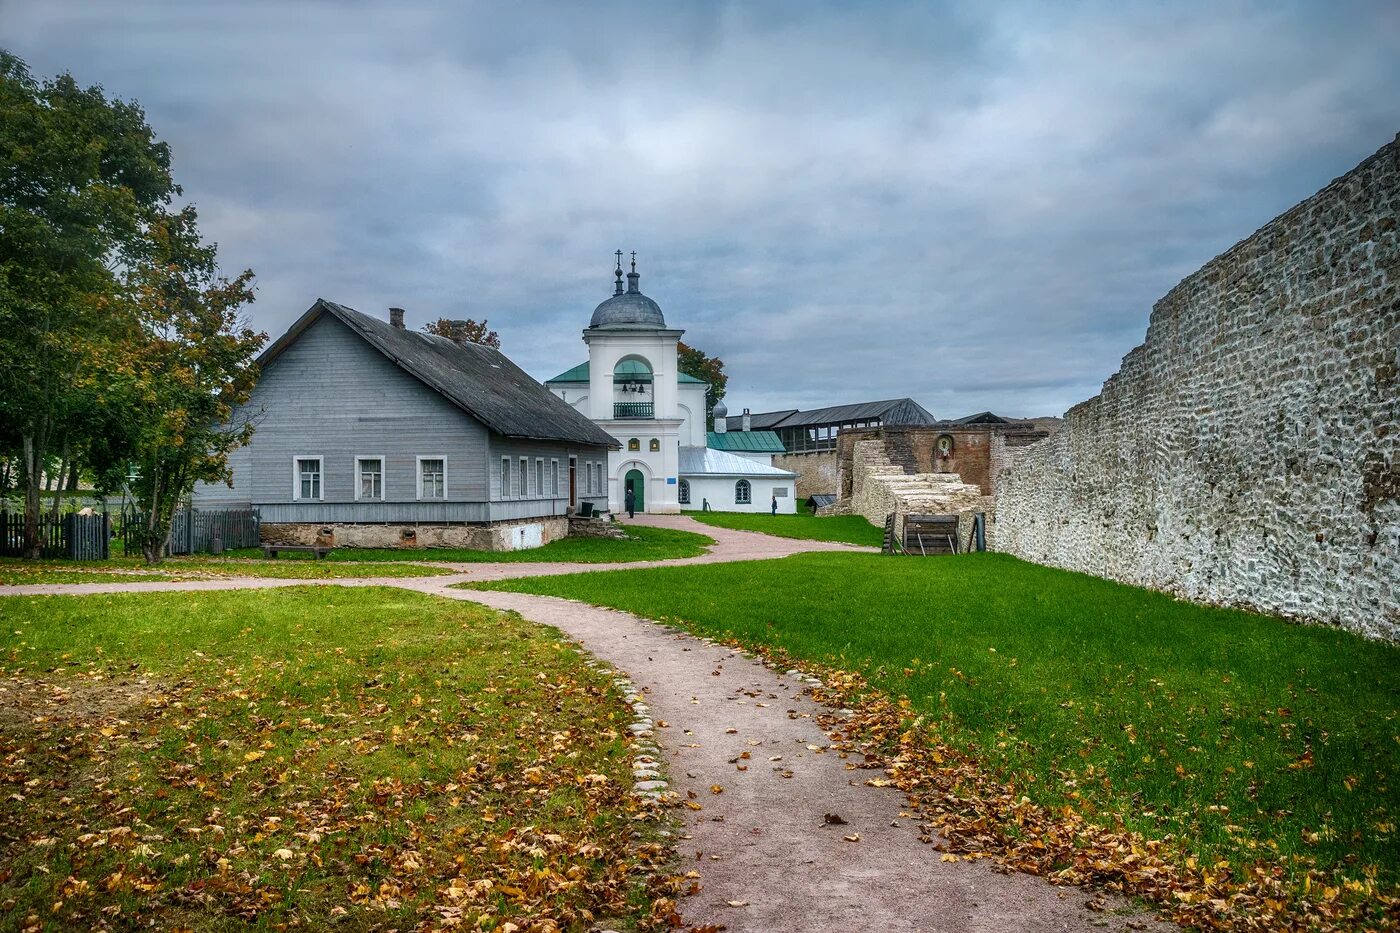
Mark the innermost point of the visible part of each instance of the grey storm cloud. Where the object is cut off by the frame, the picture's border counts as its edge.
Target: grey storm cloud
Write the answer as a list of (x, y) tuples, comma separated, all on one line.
[(973, 205)]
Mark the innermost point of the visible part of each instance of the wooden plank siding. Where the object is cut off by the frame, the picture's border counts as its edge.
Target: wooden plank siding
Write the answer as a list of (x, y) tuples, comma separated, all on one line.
[(332, 395)]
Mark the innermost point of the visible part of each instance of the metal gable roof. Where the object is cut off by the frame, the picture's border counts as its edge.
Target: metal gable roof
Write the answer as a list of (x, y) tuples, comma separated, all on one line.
[(889, 411), (757, 442), (478, 379), (762, 420), (705, 461)]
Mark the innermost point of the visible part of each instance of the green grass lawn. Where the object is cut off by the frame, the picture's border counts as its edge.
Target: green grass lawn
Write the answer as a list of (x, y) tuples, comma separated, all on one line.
[(1248, 738), (14, 571), (851, 529), (311, 757), (642, 543)]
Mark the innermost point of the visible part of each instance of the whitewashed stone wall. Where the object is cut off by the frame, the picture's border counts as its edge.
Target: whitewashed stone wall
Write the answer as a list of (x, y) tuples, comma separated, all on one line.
[(816, 472), (1246, 453)]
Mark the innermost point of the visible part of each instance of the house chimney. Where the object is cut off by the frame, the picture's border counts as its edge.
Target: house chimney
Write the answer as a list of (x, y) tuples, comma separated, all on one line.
[(748, 420), (396, 317)]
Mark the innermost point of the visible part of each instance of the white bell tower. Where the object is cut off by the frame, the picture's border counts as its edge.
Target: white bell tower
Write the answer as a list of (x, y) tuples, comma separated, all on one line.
[(633, 394)]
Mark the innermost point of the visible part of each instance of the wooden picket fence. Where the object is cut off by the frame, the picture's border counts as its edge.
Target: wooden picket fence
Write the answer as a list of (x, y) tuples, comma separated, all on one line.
[(73, 536), (194, 531)]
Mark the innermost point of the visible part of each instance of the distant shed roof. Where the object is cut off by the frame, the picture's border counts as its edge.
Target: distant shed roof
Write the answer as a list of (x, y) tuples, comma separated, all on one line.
[(889, 411), (478, 379), (982, 417), (753, 442)]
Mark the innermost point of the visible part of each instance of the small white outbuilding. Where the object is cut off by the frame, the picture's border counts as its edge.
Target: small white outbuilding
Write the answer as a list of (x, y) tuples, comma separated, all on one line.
[(724, 482)]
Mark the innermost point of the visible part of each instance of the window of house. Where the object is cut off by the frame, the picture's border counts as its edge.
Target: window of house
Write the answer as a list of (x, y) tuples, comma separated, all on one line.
[(524, 487), (554, 483), (655, 444), (432, 478), (369, 478), (540, 488), (743, 492), (683, 492), (634, 444), (505, 477), (307, 484)]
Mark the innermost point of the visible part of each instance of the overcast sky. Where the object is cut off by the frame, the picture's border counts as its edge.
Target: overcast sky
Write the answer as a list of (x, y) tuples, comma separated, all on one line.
[(975, 207)]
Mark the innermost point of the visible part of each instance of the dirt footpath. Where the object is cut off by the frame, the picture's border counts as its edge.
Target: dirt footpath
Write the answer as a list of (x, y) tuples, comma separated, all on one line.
[(767, 858)]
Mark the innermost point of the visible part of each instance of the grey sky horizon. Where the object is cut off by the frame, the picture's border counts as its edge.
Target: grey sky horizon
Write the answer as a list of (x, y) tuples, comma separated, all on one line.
[(974, 206)]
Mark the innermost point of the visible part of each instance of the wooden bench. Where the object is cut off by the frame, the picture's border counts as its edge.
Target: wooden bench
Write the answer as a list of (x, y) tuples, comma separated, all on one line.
[(270, 550)]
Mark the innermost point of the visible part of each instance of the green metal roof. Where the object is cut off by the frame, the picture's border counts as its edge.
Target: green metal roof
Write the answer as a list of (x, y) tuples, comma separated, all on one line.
[(628, 368), (754, 442)]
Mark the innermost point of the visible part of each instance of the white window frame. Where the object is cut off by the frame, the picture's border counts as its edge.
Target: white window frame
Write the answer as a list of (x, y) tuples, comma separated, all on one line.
[(748, 489), (524, 477), (554, 476), (382, 485), (505, 477), (418, 477), (539, 478), (320, 477)]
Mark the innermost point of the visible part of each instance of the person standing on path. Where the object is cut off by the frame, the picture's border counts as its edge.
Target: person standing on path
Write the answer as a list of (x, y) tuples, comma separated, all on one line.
[(775, 505), (629, 500)]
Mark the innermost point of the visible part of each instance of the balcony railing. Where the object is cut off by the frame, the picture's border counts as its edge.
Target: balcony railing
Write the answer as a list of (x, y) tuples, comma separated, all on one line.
[(632, 410)]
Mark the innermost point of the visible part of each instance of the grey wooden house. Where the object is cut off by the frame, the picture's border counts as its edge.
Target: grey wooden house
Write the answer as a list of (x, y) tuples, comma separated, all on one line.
[(372, 435)]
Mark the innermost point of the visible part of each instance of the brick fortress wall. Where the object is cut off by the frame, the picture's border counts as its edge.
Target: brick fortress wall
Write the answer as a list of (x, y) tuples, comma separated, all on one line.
[(1246, 452)]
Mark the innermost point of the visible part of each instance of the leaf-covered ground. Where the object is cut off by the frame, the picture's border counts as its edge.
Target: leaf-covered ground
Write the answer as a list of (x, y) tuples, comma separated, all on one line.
[(369, 758), (850, 529), (1238, 746)]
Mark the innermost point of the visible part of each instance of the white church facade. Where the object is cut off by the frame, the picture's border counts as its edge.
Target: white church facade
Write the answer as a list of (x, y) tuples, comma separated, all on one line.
[(632, 387)]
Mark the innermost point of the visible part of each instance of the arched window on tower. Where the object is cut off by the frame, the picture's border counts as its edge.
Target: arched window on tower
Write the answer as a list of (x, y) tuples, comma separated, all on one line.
[(743, 492)]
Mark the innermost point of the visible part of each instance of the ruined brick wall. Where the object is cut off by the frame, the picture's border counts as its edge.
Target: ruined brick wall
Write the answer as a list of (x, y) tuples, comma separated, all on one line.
[(1246, 453), (880, 487), (977, 452)]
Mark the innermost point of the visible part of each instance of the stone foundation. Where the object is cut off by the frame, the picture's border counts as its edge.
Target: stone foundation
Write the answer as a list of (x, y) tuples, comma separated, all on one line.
[(499, 536), (601, 526)]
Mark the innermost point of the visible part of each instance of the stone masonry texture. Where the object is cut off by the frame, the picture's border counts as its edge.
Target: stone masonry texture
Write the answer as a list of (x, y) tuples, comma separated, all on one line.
[(1246, 453)]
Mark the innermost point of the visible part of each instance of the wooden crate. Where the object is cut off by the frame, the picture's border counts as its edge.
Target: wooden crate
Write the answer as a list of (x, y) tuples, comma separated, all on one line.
[(926, 534)]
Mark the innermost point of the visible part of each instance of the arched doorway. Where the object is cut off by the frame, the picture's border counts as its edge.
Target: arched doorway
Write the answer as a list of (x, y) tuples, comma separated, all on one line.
[(638, 484)]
